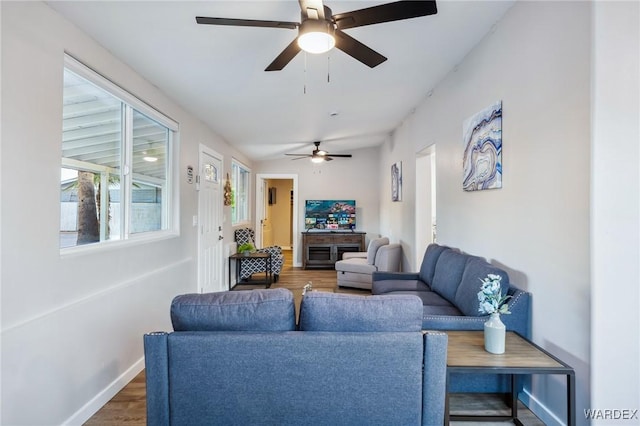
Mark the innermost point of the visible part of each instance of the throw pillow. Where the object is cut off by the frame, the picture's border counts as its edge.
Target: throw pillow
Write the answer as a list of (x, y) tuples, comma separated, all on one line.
[(448, 274)]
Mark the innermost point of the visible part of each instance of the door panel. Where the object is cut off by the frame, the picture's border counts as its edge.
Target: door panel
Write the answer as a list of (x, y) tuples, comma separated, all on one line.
[(210, 260)]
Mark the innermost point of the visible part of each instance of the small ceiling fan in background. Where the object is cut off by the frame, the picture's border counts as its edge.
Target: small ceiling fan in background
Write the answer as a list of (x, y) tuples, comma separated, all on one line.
[(318, 155), (319, 31)]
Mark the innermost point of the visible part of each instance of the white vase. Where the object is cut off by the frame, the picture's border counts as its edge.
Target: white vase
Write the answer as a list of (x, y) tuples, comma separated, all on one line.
[(494, 334)]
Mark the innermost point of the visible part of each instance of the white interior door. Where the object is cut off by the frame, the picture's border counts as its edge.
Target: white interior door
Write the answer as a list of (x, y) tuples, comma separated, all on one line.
[(210, 259), (267, 229)]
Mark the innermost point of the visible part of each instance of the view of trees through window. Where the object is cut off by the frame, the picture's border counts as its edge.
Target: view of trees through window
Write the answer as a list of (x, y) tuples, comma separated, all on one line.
[(114, 179)]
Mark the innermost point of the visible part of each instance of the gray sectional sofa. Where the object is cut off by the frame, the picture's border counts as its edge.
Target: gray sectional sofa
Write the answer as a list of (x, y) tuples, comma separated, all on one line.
[(448, 283), (237, 358)]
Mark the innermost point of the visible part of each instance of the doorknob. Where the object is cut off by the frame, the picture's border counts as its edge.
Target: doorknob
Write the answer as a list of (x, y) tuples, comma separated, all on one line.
[(220, 237)]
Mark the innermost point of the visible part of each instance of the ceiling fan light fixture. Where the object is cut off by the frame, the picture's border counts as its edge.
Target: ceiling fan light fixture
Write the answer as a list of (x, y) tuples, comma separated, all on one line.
[(316, 36), (317, 159)]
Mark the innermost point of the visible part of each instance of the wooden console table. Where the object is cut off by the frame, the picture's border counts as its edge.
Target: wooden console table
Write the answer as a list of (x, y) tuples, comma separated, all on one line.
[(466, 354), (324, 249)]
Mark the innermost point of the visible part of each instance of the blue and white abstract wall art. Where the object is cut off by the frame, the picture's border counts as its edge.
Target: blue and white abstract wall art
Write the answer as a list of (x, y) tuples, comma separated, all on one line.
[(482, 160), (396, 181)]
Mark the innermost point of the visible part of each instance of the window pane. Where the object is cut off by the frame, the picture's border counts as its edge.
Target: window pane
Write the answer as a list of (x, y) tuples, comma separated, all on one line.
[(149, 166), (240, 187), (91, 157)]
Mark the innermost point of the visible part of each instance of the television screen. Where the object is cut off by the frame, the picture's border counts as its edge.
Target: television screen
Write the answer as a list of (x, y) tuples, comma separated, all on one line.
[(330, 214)]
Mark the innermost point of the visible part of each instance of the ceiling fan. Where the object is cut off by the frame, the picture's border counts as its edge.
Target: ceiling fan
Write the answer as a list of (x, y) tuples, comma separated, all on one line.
[(319, 31), (318, 155)]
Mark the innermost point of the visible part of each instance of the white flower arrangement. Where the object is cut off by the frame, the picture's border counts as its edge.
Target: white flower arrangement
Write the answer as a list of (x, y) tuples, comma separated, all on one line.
[(490, 296)]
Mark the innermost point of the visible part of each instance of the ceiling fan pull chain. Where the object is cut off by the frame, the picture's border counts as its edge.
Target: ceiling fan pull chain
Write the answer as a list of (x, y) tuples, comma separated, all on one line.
[(328, 68), (304, 88)]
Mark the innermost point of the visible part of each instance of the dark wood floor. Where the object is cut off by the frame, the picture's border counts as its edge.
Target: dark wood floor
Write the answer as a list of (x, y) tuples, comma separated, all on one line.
[(128, 407)]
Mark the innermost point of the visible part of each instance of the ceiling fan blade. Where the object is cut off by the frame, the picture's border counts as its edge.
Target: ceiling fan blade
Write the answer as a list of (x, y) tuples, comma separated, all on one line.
[(357, 50), (385, 13), (312, 9), (339, 155), (246, 22), (299, 155), (284, 57)]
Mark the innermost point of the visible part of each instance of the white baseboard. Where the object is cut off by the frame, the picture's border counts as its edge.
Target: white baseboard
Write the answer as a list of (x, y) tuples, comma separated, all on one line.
[(98, 401), (540, 410)]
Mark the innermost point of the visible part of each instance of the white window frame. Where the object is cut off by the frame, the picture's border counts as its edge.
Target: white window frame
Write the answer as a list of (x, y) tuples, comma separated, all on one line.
[(245, 217), (171, 209)]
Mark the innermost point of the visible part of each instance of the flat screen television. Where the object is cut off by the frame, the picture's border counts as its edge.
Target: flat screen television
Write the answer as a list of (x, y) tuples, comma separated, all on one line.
[(330, 215)]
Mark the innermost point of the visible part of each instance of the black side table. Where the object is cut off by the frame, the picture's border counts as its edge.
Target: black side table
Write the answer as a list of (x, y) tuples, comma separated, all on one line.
[(240, 257)]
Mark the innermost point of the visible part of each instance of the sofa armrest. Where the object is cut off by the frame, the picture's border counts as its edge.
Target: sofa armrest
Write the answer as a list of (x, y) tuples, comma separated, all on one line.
[(156, 362), (388, 258), (453, 322), (434, 380), (517, 320)]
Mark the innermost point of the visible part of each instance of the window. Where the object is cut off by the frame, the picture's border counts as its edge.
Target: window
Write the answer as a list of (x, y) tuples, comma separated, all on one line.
[(240, 181), (115, 179)]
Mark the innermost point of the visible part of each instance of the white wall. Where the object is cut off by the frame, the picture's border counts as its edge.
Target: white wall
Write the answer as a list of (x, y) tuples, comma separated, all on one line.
[(537, 61), (615, 231), (354, 178), (72, 326)]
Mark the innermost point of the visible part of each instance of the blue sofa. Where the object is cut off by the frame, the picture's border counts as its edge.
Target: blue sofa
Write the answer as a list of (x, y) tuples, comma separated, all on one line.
[(448, 284), (239, 358)]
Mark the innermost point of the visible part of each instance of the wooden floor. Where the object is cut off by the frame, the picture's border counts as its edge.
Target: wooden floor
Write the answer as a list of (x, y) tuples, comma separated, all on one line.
[(128, 407)]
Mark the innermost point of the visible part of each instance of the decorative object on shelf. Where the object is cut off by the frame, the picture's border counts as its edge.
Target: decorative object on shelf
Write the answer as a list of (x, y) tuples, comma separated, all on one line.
[(246, 249), (307, 287), (396, 181), (482, 160), (492, 302), (272, 195), (228, 199), (494, 334)]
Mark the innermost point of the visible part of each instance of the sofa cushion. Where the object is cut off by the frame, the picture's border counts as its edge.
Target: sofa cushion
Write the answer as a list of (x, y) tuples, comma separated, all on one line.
[(466, 298), (448, 274), (428, 267), (246, 310), (429, 298), (321, 311), (450, 311), (358, 265), (374, 245)]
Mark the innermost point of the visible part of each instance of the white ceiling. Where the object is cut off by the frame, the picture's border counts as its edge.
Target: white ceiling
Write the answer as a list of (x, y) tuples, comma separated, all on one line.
[(217, 72)]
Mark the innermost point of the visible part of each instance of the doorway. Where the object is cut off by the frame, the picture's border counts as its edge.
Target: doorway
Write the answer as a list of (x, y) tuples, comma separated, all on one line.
[(209, 222), (276, 212), (425, 201)]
